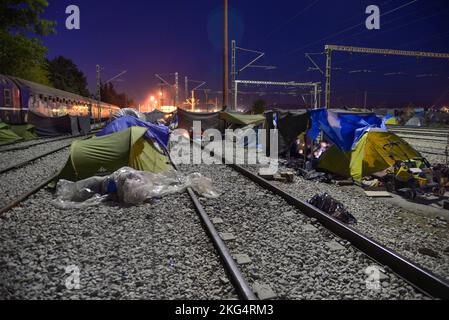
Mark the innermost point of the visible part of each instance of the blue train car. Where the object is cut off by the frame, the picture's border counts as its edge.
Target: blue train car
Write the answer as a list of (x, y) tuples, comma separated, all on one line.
[(10, 103)]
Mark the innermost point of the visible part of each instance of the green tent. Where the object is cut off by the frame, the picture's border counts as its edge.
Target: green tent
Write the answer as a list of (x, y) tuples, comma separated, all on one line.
[(27, 131), (112, 152), (7, 136), (242, 119)]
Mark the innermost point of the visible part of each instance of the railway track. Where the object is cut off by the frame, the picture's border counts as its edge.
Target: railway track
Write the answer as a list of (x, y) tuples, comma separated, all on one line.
[(37, 157), (23, 145), (419, 277), (241, 286), (421, 132)]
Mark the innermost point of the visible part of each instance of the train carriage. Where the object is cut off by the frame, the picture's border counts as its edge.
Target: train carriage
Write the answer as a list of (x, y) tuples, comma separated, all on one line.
[(10, 104), (18, 97)]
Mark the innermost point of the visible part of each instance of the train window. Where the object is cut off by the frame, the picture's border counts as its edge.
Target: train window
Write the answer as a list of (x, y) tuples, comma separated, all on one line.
[(7, 98)]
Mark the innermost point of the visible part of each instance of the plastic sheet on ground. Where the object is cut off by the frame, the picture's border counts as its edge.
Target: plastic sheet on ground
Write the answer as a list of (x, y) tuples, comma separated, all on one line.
[(130, 187)]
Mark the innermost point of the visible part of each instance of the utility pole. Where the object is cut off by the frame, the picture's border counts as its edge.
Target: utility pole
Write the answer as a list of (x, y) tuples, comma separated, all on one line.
[(225, 56), (328, 77), (176, 89), (384, 52), (233, 74), (186, 93), (98, 92), (366, 96)]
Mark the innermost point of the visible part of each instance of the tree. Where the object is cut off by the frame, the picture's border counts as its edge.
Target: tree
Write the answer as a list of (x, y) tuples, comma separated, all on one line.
[(259, 107), (65, 75), (19, 55), (109, 95)]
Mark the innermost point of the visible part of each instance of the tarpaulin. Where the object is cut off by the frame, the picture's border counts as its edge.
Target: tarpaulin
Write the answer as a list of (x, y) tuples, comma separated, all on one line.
[(242, 119), (343, 128), (208, 120), (26, 131), (157, 133), (157, 115), (53, 126), (290, 125), (7, 136), (84, 125)]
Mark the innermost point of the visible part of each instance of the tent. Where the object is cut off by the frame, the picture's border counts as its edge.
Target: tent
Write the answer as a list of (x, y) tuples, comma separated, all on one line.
[(128, 112), (376, 151), (343, 128), (157, 115), (210, 120), (242, 120), (157, 133), (112, 152), (290, 125), (26, 131), (8, 136), (415, 122), (391, 120)]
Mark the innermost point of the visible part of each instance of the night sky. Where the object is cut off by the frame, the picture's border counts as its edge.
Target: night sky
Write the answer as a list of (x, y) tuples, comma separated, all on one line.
[(148, 37)]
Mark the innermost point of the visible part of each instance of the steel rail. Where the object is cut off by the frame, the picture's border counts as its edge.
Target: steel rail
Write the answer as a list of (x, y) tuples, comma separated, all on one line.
[(424, 280), (401, 135), (241, 285), (37, 144), (26, 195), (43, 142), (26, 162)]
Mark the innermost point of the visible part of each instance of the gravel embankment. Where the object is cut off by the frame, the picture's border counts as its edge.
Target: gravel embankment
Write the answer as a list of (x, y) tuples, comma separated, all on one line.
[(292, 254), (17, 182), (408, 233), (15, 157), (154, 251)]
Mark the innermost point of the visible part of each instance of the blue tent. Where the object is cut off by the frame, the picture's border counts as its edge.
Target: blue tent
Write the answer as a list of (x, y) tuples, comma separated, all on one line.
[(157, 133), (343, 128)]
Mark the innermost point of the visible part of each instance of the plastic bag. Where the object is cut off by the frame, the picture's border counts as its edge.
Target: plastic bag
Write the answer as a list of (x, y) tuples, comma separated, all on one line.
[(332, 207), (131, 187)]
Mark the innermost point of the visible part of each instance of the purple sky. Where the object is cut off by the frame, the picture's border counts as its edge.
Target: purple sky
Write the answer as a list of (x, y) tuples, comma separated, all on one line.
[(148, 37)]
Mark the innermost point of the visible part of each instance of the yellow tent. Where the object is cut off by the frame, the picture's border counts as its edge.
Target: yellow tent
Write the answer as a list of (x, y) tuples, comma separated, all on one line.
[(392, 121), (376, 151)]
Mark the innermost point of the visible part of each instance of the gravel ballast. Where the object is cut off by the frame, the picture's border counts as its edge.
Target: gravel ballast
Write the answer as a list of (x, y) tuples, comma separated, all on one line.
[(15, 157), (30, 143), (288, 252), (153, 251), (408, 233), (19, 181)]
